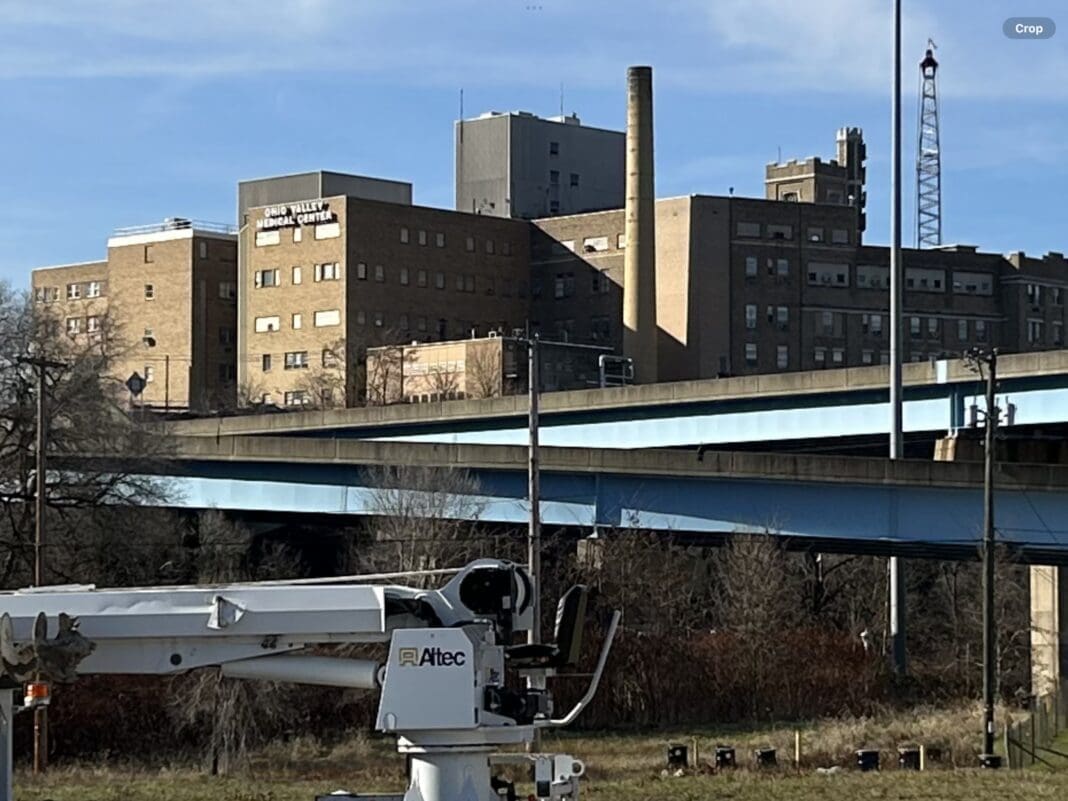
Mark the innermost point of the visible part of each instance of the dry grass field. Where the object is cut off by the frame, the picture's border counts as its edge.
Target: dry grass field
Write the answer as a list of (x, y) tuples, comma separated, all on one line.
[(621, 767)]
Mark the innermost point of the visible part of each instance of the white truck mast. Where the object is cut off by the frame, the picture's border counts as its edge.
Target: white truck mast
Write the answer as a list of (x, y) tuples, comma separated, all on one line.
[(444, 689)]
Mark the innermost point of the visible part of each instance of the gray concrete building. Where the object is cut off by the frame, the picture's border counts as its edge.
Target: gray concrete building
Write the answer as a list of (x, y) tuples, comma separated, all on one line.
[(516, 164)]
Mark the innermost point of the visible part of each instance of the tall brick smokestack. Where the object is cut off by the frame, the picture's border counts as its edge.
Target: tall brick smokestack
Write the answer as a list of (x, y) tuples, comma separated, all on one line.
[(639, 265)]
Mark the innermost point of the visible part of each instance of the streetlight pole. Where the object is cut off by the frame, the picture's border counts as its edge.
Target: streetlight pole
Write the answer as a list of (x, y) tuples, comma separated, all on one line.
[(534, 487), (897, 573), (40, 712)]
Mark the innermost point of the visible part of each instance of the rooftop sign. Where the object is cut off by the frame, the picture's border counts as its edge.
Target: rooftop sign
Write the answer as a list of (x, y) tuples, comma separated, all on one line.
[(308, 212)]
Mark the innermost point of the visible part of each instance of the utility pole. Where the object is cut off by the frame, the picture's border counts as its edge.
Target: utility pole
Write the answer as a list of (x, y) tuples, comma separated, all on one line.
[(976, 360), (534, 496), (896, 569), (534, 487), (40, 713)]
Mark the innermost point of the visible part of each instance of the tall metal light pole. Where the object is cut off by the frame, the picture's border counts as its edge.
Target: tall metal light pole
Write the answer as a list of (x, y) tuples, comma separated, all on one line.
[(534, 487), (42, 366), (897, 573), (977, 359)]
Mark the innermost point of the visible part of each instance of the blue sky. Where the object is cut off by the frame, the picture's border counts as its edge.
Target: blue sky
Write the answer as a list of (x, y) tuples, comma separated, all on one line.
[(123, 112)]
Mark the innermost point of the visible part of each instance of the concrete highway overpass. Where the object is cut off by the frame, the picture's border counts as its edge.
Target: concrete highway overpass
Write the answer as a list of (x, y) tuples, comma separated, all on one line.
[(782, 411), (909, 507)]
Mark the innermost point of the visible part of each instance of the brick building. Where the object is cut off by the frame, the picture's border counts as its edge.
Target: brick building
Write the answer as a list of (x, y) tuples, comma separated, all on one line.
[(748, 286), (165, 298), (323, 279)]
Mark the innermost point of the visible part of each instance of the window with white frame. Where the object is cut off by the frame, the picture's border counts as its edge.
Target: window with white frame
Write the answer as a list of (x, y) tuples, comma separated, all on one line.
[(782, 356), (267, 278), (92, 290), (296, 360), (750, 316), (751, 354), (74, 325), (298, 275), (74, 291), (750, 266), (331, 271), (264, 325), (298, 321), (327, 317)]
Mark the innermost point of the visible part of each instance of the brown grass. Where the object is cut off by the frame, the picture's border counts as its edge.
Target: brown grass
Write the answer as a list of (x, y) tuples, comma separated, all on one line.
[(621, 767)]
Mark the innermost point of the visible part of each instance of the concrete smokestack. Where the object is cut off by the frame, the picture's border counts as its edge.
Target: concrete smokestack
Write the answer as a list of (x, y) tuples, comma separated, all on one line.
[(639, 265)]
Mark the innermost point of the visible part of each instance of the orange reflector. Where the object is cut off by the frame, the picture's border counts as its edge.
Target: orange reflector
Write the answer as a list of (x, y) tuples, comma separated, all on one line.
[(37, 692)]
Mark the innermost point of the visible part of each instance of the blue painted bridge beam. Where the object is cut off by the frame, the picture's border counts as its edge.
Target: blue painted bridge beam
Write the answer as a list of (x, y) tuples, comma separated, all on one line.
[(856, 502)]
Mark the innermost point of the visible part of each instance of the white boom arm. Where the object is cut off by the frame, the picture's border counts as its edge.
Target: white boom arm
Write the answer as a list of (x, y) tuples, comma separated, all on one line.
[(443, 683)]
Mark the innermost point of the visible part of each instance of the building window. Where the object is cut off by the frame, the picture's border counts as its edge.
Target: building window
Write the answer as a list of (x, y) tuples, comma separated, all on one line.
[(469, 245), (1034, 294), (839, 236), (877, 325), (439, 280), (226, 335), (782, 267), (93, 289), (574, 180), (782, 356), (789, 197), (819, 356), (93, 324), (554, 177), (1058, 334), (296, 359), (1034, 332), (554, 206), (150, 292), (150, 373), (148, 254), (420, 278), (601, 284), (266, 238), (298, 275), (297, 397), (298, 234), (439, 240), (1056, 295), (422, 237), (380, 273), (74, 325), (564, 285), (402, 322), (298, 321), (932, 328), (328, 317), (827, 323), (780, 231), (227, 290), (980, 330), (265, 362), (469, 285), (750, 316), (420, 323), (962, 330), (837, 355), (866, 357), (404, 276), (748, 229), (815, 234), (380, 319), (328, 231), (490, 247), (74, 291), (750, 266), (361, 317), (914, 326), (783, 317), (404, 235), (331, 271), (751, 354), (265, 325), (329, 358), (266, 278), (554, 148)]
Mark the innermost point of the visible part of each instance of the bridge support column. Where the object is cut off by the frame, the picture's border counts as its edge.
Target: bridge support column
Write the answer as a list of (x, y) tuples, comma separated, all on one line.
[(1049, 617)]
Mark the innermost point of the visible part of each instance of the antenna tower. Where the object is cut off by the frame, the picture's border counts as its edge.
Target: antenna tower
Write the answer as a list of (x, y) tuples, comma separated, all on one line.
[(928, 158)]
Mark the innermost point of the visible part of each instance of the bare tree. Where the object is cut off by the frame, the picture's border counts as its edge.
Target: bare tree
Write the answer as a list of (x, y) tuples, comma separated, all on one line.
[(231, 715), (97, 449), (483, 371), (423, 518)]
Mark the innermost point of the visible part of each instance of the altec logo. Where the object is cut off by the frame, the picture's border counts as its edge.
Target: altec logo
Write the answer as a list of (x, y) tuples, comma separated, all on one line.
[(434, 657)]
